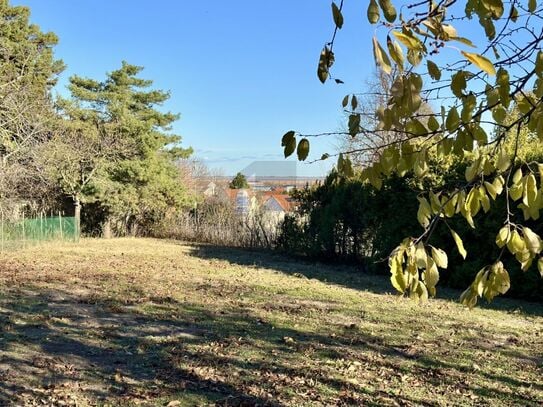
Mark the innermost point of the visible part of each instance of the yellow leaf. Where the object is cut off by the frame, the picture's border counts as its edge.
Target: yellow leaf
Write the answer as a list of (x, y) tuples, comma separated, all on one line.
[(532, 240), (381, 57), (480, 61), (459, 244), (424, 212), (408, 40), (504, 162), (516, 244), (503, 236), (440, 257)]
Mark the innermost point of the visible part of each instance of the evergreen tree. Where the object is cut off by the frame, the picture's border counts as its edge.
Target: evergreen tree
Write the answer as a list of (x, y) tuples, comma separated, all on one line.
[(142, 183), (239, 182)]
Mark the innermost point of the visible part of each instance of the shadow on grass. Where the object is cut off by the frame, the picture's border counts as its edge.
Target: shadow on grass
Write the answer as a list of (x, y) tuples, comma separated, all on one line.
[(52, 341), (346, 276)]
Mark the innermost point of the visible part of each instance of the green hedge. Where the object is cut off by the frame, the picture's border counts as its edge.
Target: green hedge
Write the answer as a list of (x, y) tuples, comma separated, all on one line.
[(349, 221)]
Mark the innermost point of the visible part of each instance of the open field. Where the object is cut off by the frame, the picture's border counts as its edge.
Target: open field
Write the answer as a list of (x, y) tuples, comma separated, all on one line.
[(135, 321)]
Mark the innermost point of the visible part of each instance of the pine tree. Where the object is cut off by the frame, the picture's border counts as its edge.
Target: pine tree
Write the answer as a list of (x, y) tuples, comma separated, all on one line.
[(143, 182), (239, 182)]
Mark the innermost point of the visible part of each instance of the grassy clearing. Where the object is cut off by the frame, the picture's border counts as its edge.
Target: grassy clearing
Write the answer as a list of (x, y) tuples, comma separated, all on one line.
[(127, 322)]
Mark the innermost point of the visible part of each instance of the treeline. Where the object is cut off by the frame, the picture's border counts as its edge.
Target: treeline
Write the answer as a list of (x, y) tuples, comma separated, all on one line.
[(106, 151), (345, 219)]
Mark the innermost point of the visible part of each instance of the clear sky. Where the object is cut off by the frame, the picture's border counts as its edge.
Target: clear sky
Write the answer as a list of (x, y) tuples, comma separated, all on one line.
[(240, 72)]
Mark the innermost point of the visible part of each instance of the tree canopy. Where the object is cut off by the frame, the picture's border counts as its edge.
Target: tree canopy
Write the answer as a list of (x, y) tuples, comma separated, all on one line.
[(239, 182), (28, 71), (485, 92), (119, 117)]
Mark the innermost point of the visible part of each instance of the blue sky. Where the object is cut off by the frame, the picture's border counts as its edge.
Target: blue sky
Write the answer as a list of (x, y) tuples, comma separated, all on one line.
[(240, 72)]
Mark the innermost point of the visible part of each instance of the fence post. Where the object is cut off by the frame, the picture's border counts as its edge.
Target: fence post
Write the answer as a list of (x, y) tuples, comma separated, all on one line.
[(24, 241), (60, 223)]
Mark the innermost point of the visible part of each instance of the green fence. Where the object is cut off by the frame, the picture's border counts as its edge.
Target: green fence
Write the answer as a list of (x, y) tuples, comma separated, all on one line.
[(30, 232)]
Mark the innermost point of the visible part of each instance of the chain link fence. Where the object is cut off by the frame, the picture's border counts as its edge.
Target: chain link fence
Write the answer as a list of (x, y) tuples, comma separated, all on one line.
[(26, 232)]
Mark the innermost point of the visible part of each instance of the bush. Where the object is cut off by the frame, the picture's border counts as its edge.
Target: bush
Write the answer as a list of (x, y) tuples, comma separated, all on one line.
[(347, 220)]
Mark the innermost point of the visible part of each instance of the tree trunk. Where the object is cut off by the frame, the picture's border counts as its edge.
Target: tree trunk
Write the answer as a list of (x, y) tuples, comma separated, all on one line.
[(106, 229), (77, 216)]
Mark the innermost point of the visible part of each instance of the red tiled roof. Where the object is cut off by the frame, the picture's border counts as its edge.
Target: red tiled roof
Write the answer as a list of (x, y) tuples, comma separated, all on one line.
[(284, 200)]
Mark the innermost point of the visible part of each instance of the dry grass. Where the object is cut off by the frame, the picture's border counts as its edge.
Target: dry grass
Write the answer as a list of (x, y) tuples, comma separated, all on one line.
[(128, 322)]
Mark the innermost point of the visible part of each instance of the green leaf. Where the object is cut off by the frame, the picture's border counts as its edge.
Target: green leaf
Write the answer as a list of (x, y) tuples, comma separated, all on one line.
[(453, 120), (338, 17), (502, 82), (513, 15), (373, 12), (532, 5), (433, 70), (490, 29), (481, 62), (289, 142), (344, 166), (354, 124), (415, 127), (540, 266), (539, 64), (458, 83), (354, 102), (388, 10), (433, 124), (459, 244), (326, 61), (345, 101), (468, 106), (495, 7), (499, 114), (303, 149)]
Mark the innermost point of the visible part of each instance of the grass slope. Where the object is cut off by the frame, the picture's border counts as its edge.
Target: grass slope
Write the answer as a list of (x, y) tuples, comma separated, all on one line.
[(135, 321)]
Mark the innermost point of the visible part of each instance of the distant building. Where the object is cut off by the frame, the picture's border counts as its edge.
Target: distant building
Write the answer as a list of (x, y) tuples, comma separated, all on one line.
[(277, 202), (274, 200), (210, 190)]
